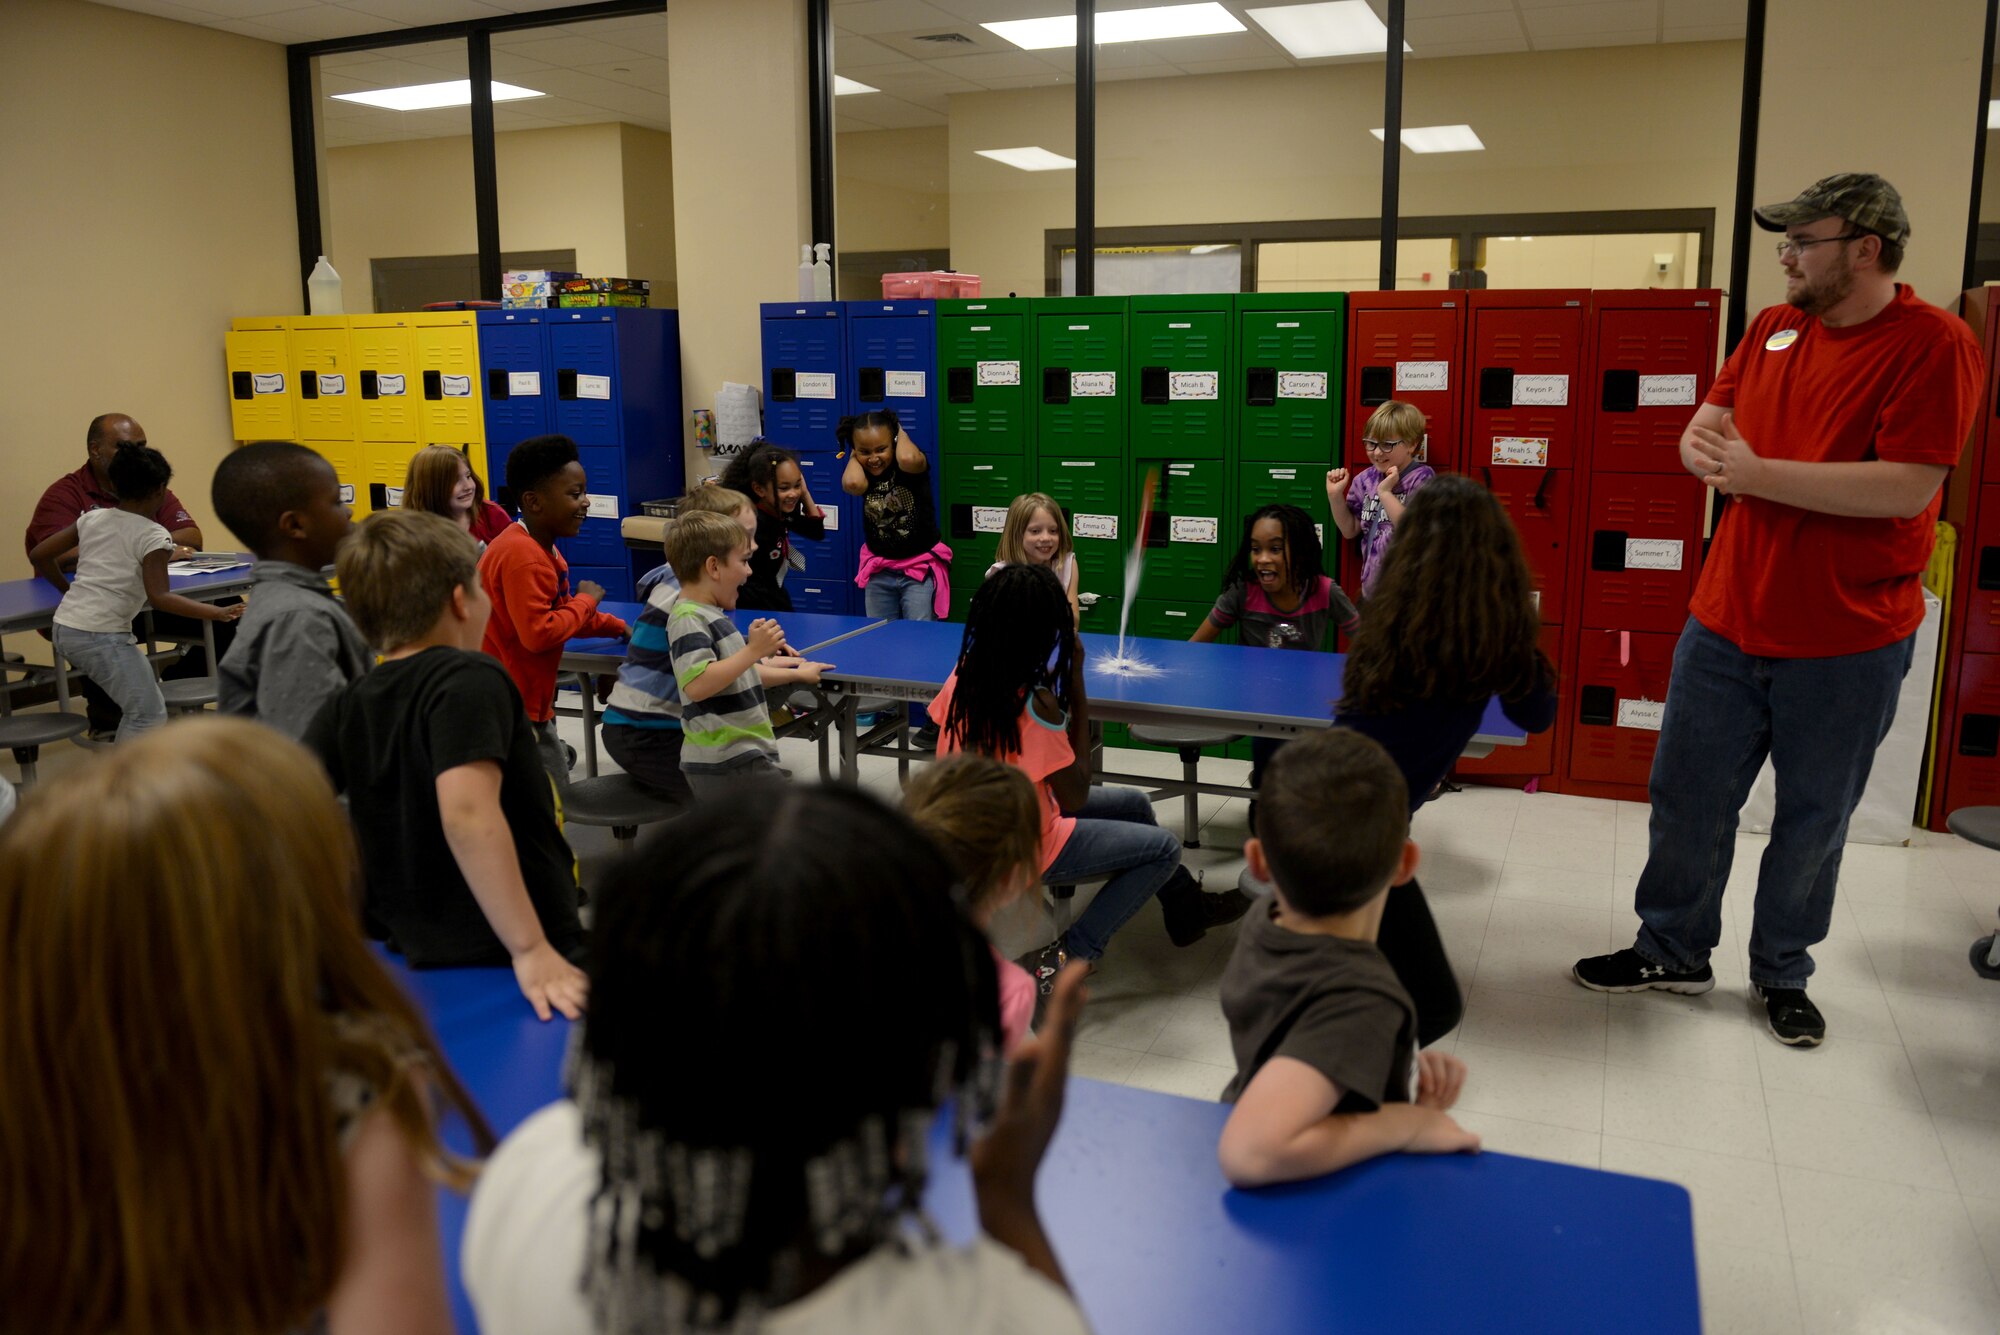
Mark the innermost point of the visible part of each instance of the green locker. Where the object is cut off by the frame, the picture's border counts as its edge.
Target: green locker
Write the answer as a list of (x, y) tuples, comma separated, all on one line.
[(1192, 535), (1097, 614), (1182, 368), (1092, 493), (1080, 382), (976, 489), (985, 350), (1300, 484), (1289, 353)]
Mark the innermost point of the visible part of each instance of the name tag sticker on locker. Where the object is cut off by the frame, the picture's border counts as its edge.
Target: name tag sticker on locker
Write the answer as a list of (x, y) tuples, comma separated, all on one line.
[(333, 386), (1301, 384), (903, 385), (999, 373), (1430, 376), (1521, 451), (989, 518), (1094, 526), (1193, 528), (1666, 391), (1652, 553), (1647, 714), (814, 385), (599, 386), (1093, 384), (524, 384), (831, 514), (268, 384), (1541, 391), (1194, 384), (347, 493), (456, 386), (394, 495), (389, 386), (601, 507)]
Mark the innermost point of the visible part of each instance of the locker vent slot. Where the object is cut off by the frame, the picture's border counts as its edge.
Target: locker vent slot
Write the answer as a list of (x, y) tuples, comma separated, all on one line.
[(1377, 385), (784, 384), (433, 384), (959, 383), (368, 385), (1989, 567), (1607, 549), (1055, 384), (239, 385), (1597, 705), (1152, 384), (565, 383), (496, 383), (308, 386), (870, 385), (1260, 386), (1979, 735), (1621, 392), (1496, 387)]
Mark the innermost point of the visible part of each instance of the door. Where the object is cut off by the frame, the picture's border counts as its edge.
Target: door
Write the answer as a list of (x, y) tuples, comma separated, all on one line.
[(447, 345), (1290, 363), (1654, 366), (1079, 381), (385, 360), (322, 363), (260, 383), (1641, 548), (1525, 366), (1189, 541), (983, 355), (1412, 355), (1180, 362)]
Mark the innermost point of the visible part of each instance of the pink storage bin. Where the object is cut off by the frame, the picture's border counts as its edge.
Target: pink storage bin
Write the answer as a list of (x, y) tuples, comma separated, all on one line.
[(931, 284)]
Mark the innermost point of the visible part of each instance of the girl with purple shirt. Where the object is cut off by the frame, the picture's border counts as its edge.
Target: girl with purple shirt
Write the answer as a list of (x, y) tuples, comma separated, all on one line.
[(1370, 506)]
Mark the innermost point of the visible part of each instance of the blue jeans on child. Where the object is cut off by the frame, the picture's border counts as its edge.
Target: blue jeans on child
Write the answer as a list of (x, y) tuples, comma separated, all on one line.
[(893, 596), (1115, 832), (1820, 721), (113, 659)]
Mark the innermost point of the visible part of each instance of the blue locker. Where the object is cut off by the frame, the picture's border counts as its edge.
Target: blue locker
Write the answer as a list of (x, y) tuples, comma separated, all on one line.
[(583, 355), (815, 594), (616, 579), (832, 558), (805, 375), (513, 350), (892, 363)]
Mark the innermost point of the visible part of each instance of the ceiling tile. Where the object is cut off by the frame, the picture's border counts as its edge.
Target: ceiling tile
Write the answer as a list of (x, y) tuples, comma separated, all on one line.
[(417, 13), (1442, 50), (855, 52), (1182, 51), (1430, 9), (240, 9), (164, 9), (637, 72), (977, 40), (1703, 13), (993, 11), (1268, 62), (566, 51), (1570, 41), (1720, 32), (847, 121), (894, 114), (991, 65), (915, 78), (1424, 34), (1046, 79), (869, 17), (1567, 21)]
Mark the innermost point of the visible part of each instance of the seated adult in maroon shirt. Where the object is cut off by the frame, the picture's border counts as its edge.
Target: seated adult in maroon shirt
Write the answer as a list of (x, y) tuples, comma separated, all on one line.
[(89, 488)]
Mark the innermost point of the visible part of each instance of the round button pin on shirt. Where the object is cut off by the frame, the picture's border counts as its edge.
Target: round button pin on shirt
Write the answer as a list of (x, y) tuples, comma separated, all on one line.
[(1781, 340)]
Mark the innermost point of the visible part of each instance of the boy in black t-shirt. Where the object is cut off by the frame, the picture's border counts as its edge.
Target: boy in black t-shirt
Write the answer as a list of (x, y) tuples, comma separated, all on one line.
[(464, 861), (1327, 1071)]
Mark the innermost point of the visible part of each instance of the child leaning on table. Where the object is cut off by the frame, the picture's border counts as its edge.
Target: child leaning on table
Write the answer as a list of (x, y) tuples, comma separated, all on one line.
[(1327, 1067)]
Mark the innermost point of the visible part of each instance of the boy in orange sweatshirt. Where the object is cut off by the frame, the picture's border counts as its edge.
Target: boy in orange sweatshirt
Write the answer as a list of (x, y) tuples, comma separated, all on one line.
[(534, 614)]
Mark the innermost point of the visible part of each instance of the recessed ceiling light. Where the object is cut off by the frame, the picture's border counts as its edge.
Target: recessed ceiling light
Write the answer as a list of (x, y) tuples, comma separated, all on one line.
[(1120, 25), (1438, 139), (1028, 159), (424, 96), (1337, 28), (846, 87), (1993, 115)]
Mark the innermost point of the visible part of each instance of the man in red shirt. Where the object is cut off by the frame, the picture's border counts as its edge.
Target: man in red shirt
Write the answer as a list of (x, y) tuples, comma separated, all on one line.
[(89, 488), (1831, 428)]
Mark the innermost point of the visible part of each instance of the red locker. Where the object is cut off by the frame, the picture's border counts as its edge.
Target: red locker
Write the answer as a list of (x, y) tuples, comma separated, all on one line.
[(1408, 346), (1652, 361), (1979, 596), (1974, 738), (1524, 373), (1539, 755), (1641, 546), (1619, 698), (1538, 501)]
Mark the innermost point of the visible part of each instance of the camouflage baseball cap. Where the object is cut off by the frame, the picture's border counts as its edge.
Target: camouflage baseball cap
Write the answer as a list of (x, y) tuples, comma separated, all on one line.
[(1861, 198)]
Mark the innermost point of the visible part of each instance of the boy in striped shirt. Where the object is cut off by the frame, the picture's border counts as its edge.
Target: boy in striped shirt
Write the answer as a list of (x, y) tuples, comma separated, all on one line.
[(720, 672)]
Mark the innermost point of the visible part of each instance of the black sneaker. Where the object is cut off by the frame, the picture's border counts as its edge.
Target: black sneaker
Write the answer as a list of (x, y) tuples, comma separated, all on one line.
[(1793, 1019), (1043, 965), (1629, 971), (1190, 911), (925, 738)]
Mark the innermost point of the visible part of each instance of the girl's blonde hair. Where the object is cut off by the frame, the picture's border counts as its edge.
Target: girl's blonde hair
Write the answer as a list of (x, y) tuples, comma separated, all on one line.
[(984, 817), (184, 971), (1019, 515), (432, 478), (1396, 420)]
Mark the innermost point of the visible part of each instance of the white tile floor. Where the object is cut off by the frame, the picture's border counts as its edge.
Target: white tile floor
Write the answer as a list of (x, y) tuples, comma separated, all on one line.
[(1852, 1188)]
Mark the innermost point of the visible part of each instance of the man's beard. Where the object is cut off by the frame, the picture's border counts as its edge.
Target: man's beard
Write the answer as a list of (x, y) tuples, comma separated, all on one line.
[(1831, 288)]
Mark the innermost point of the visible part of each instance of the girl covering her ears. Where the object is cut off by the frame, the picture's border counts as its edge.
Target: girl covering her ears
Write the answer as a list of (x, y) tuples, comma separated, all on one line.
[(905, 567), (770, 476)]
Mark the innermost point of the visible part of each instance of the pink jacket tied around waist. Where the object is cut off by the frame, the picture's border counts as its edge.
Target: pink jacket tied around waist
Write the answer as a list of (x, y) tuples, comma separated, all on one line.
[(934, 565)]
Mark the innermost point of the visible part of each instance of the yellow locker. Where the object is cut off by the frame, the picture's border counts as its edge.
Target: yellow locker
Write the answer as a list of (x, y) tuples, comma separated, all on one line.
[(260, 380), (448, 357), (385, 361), (346, 458), (322, 361), (386, 463)]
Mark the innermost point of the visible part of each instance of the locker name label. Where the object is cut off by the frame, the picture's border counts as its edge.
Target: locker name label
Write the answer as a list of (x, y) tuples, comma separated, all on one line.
[(1094, 526), (601, 507), (1301, 384), (389, 386), (1666, 391), (524, 384), (347, 493), (1321, 530), (267, 384), (813, 385), (1193, 528), (332, 386), (1093, 384), (1652, 553), (831, 514), (903, 385), (989, 518), (1194, 385), (1432, 377), (1521, 451), (456, 386), (1541, 391), (1647, 714), (999, 373), (394, 495)]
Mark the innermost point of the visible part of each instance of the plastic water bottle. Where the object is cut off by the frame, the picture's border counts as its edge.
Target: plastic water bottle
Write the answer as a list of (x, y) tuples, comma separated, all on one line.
[(806, 272), (323, 289), (822, 273)]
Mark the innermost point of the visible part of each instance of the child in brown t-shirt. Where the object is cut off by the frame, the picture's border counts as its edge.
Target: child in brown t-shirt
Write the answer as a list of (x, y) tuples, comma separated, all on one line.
[(1327, 1071)]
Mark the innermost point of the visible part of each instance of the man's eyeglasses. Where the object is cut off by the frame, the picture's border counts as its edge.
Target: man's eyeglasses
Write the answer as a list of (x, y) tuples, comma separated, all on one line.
[(1788, 247)]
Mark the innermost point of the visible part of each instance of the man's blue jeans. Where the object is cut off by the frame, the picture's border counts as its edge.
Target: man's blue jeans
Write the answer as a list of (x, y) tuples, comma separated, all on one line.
[(1820, 721)]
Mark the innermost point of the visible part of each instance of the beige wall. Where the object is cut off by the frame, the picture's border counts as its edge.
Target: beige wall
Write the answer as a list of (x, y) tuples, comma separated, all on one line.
[(649, 211), (145, 198), (894, 189)]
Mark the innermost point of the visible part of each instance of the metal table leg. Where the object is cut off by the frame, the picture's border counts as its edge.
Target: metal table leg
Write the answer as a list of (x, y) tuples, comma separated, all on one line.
[(586, 689)]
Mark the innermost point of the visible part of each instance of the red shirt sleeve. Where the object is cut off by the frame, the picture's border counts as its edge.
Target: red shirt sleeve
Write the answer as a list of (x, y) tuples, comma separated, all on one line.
[(543, 617), (57, 510), (1930, 413), (172, 514)]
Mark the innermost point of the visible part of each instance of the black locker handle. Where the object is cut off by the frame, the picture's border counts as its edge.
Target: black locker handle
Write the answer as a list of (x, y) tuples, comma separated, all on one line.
[(784, 384), (961, 521), (1597, 705), (1989, 568), (1607, 549), (1487, 469), (565, 383), (1152, 384), (870, 384), (239, 385), (1979, 735), (1260, 386), (959, 384), (1055, 384), (378, 496), (1158, 531), (1542, 491), (1621, 392), (368, 390), (1496, 387), (433, 384), (309, 385), (1377, 385), (497, 384)]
